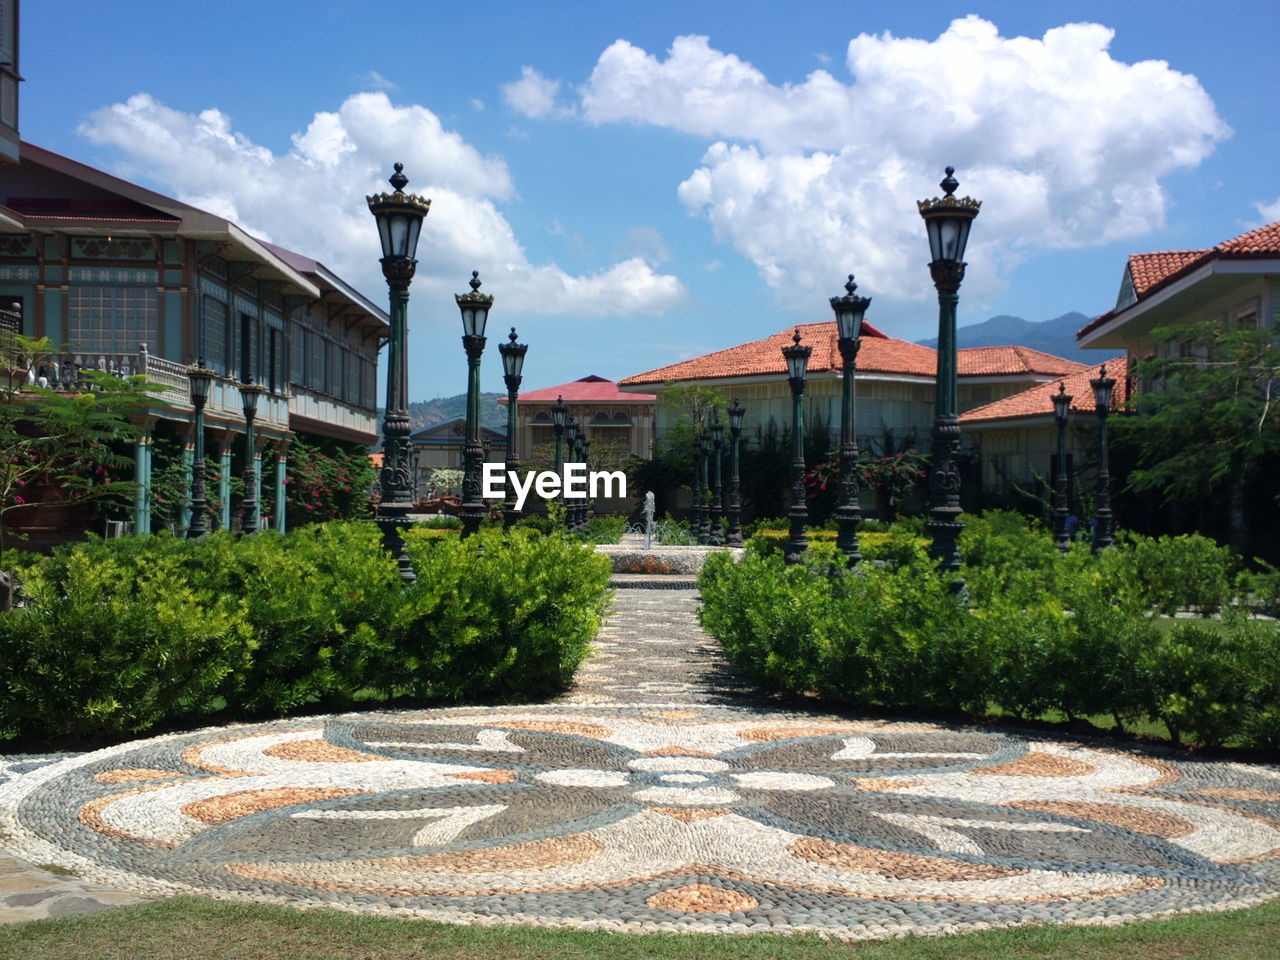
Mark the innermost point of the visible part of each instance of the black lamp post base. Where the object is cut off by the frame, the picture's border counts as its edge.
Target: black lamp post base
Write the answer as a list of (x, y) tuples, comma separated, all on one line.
[(392, 521)]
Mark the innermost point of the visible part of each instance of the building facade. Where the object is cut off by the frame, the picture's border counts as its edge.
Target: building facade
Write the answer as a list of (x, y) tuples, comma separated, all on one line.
[(127, 281)]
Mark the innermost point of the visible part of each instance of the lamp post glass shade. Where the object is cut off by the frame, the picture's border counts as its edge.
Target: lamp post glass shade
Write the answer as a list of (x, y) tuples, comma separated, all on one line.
[(797, 357), (557, 414), (849, 311), (947, 220), (200, 378), (1102, 389), (399, 217), (1061, 404), (736, 413), (512, 356), (475, 308), (249, 394)]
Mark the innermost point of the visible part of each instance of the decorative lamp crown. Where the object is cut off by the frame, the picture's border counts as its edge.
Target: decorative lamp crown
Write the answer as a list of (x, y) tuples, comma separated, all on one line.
[(1061, 404), (512, 356), (797, 358), (201, 378), (849, 311), (948, 218), (736, 413), (1102, 387), (475, 307), (399, 217)]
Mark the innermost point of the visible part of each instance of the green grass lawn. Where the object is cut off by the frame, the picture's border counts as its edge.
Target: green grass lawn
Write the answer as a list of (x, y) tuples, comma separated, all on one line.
[(196, 928)]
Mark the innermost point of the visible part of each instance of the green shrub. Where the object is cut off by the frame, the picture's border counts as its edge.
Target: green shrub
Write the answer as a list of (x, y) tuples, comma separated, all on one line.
[(497, 618), (1041, 631), (112, 645), (117, 637), (605, 529), (1175, 573), (442, 521)]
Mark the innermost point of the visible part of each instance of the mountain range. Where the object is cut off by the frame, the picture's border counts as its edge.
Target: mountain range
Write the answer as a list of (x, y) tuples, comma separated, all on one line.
[(1056, 336)]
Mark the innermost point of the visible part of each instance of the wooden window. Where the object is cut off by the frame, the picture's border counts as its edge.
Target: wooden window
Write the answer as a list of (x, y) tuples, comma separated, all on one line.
[(113, 319)]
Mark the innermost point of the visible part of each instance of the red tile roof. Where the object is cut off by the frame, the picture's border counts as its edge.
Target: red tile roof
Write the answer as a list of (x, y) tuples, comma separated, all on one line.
[(1262, 242), (1151, 271), (591, 389), (996, 361), (879, 354), (1038, 401)]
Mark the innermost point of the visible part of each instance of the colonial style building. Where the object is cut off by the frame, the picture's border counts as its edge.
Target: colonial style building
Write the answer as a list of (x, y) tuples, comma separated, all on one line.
[(1237, 282), (618, 424), (1016, 438), (442, 445), (895, 380), (129, 281)]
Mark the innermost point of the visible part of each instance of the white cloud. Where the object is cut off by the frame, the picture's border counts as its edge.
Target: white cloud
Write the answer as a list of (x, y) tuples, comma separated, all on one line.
[(1064, 144), (1270, 212), (477, 104), (311, 199), (533, 95)]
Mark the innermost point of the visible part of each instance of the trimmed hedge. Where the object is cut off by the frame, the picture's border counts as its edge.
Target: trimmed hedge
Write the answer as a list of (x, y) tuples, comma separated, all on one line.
[(1042, 631), (118, 637)]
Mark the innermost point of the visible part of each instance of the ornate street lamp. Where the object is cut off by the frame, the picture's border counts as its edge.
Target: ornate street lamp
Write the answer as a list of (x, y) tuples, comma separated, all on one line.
[(797, 358), (512, 363), (249, 394), (557, 423), (849, 311), (201, 378), (947, 220), (399, 217), (717, 484), (733, 536), (1061, 410), (571, 436), (475, 314), (584, 507), (704, 479), (696, 520), (1102, 387)]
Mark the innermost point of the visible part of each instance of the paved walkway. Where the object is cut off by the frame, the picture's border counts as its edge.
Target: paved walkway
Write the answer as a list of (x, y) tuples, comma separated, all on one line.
[(658, 794)]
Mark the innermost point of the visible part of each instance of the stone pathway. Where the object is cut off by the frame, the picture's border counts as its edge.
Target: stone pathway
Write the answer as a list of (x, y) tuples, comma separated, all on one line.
[(658, 794)]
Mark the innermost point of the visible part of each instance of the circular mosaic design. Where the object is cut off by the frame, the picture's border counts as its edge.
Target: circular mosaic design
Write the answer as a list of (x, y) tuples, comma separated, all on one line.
[(639, 818)]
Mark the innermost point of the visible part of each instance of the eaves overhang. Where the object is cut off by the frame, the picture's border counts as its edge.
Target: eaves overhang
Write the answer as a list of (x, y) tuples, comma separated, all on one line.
[(1170, 302)]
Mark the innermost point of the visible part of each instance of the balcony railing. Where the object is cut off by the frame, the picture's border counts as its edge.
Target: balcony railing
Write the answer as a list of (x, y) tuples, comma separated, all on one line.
[(318, 406), (168, 379)]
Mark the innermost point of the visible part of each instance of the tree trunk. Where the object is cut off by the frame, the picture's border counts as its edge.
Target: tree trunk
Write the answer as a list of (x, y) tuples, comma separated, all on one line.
[(1239, 533)]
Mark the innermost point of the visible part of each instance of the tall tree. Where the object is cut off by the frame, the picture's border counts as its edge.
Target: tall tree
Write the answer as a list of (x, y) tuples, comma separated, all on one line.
[(59, 449), (1207, 417)]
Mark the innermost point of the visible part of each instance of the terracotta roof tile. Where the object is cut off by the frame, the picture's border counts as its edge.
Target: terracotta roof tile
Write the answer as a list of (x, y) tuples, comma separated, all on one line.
[(590, 389), (1264, 241), (879, 354), (1038, 400), (1149, 269), (995, 361)]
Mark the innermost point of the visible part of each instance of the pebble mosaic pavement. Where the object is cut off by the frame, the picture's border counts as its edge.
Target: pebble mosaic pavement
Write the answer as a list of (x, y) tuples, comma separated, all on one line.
[(657, 795)]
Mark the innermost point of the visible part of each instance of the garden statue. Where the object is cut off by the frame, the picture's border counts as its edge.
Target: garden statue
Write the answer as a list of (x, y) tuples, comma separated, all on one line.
[(648, 519)]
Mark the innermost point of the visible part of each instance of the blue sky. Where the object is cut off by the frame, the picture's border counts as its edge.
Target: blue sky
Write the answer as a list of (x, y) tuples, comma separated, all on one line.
[(641, 183)]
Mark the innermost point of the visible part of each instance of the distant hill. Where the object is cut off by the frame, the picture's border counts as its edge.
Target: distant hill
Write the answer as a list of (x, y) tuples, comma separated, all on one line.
[(1056, 336), (427, 413)]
